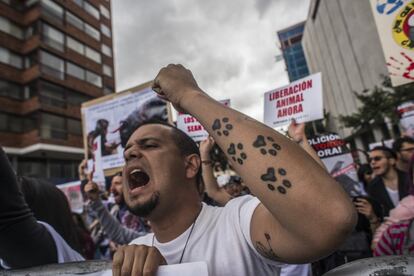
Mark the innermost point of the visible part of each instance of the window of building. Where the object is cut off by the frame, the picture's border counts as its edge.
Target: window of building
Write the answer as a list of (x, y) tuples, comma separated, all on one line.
[(29, 32), (53, 10), (52, 65), (75, 71), (3, 122), (93, 78), (93, 55), (91, 9), (77, 99), (53, 37), (30, 3), (106, 50), (92, 31), (75, 45), (53, 127), (105, 12), (75, 127), (15, 124), (10, 28), (107, 70), (52, 95), (105, 30), (11, 90), (74, 20), (10, 58)]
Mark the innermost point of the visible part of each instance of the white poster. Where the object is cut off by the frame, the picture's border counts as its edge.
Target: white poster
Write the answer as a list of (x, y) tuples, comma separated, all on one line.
[(406, 113), (72, 191), (116, 119), (301, 100), (192, 127), (338, 160), (395, 25)]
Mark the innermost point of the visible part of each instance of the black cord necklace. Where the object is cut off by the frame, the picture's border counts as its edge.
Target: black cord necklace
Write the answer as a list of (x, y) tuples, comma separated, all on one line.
[(188, 238)]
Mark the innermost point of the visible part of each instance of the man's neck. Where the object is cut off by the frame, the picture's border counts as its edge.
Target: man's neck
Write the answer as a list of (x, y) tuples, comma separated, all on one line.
[(391, 179), (403, 166), (168, 227)]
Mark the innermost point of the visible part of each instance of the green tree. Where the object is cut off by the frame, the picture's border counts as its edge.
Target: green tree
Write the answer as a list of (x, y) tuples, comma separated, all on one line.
[(377, 104)]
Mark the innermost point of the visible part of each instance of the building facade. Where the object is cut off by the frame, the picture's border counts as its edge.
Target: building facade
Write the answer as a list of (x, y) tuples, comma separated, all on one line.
[(54, 55), (291, 45), (341, 41)]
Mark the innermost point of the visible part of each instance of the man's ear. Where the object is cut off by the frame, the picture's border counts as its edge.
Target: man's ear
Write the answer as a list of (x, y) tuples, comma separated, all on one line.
[(193, 163)]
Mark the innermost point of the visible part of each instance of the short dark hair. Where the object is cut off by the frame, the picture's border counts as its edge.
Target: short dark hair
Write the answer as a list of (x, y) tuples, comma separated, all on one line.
[(185, 144), (389, 153), (397, 145)]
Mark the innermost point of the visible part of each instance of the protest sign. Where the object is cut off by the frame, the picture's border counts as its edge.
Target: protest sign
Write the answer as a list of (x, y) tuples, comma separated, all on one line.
[(114, 118), (406, 113), (72, 191), (338, 160), (192, 127), (395, 25), (301, 100), (384, 143)]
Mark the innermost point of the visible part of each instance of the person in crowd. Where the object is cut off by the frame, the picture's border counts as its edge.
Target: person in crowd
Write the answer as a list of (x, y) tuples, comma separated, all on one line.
[(36, 225), (390, 184), (404, 148), (365, 175), (87, 245), (296, 198), (394, 236), (118, 224)]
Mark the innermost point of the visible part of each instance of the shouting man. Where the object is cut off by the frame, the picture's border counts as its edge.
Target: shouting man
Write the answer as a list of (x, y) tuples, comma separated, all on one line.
[(296, 199)]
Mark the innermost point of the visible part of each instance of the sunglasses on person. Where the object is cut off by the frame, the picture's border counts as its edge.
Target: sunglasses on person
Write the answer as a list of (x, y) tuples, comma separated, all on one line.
[(375, 158)]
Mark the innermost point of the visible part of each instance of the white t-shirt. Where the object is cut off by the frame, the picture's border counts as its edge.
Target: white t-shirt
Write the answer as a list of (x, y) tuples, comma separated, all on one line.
[(395, 197), (221, 237), (296, 270)]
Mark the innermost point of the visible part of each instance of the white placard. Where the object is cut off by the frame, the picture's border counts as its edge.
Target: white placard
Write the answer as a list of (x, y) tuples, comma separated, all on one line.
[(301, 100), (192, 127), (185, 269), (117, 118), (406, 112), (395, 25), (72, 191)]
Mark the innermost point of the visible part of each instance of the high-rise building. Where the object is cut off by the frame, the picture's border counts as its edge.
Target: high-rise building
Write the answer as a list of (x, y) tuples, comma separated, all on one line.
[(54, 55), (291, 45), (341, 41)]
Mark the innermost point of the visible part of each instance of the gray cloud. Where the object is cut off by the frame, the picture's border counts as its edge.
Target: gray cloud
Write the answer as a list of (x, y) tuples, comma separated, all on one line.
[(229, 46)]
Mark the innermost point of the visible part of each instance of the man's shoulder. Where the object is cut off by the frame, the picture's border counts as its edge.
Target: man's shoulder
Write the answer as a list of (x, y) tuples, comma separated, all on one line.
[(144, 240)]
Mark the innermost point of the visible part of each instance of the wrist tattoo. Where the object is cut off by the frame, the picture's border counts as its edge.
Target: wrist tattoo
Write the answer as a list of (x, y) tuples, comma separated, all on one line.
[(236, 153), (266, 147), (266, 250), (218, 126), (270, 176)]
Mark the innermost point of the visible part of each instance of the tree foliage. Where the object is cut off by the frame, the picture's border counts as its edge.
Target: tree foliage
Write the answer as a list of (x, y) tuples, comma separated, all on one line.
[(377, 104)]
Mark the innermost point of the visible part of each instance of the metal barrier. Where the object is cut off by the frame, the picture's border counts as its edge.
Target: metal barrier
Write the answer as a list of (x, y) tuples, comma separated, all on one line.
[(87, 268), (377, 266)]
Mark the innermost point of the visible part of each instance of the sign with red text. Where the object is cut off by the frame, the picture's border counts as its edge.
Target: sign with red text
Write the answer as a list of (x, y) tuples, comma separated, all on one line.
[(301, 100), (406, 113), (395, 25), (192, 127), (338, 160)]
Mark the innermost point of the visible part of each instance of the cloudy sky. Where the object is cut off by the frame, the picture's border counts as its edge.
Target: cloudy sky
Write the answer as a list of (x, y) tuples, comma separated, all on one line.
[(229, 45)]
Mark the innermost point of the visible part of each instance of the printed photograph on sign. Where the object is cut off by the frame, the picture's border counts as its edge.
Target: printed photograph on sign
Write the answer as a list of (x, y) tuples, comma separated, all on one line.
[(192, 127), (301, 100), (338, 161), (115, 118), (395, 25), (406, 113)]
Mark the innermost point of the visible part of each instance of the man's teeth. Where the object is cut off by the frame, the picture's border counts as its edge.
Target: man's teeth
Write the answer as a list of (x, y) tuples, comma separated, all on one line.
[(135, 171)]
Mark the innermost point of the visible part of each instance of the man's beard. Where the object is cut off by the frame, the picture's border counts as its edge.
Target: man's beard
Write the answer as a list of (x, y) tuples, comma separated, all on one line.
[(146, 208)]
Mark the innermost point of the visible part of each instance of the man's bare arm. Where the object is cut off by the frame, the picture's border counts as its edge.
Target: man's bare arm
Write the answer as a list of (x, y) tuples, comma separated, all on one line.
[(304, 214)]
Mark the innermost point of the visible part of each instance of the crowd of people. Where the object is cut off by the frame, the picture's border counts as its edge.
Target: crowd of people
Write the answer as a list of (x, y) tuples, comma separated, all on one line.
[(261, 211)]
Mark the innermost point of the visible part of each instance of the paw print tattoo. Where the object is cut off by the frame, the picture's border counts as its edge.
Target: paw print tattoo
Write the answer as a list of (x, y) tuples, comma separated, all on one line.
[(233, 151), (270, 176), (266, 145), (218, 126)]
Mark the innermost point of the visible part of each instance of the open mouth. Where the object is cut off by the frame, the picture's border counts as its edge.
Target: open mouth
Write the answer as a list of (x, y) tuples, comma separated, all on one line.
[(137, 178)]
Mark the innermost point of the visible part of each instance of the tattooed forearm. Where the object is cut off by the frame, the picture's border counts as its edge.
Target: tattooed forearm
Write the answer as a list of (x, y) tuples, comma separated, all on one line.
[(270, 176), (236, 153), (218, 126), (266, 250), (263, 146)]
